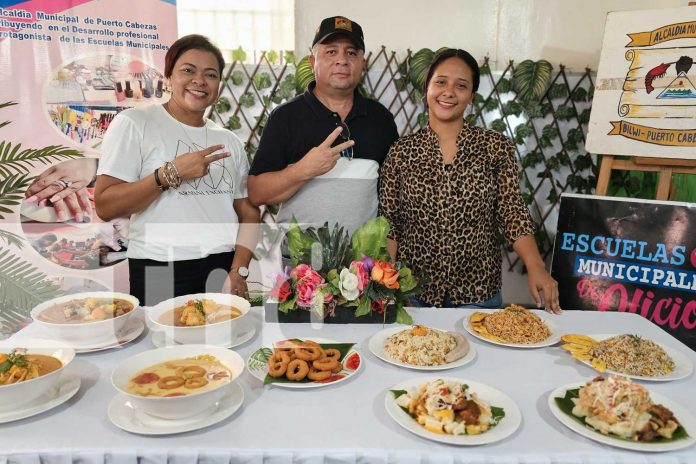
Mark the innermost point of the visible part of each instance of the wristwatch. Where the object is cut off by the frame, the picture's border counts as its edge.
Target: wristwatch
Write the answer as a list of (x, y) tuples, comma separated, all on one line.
[(243, 271)]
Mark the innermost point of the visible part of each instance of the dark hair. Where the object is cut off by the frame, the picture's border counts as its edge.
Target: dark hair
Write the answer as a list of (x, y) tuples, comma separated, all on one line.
[(190, 42), (453, 53)]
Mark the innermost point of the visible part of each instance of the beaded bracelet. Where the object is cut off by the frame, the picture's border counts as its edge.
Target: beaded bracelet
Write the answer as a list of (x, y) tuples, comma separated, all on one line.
[(172, 175), (160, 186)]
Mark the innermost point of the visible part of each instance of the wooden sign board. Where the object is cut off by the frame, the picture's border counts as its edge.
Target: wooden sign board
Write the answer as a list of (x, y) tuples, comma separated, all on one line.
[(645, 92)]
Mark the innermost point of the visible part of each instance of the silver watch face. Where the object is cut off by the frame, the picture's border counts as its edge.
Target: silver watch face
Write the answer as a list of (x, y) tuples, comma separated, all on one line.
[(243, 271)]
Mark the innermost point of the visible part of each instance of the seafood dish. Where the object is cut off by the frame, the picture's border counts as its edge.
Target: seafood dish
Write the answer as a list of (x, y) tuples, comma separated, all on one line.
[(423, 346), (19, 366), (626, 354), (85, 310), (179, 377), (198, 312), (513, 324), (298, 360), (448, 407), (617, 406)]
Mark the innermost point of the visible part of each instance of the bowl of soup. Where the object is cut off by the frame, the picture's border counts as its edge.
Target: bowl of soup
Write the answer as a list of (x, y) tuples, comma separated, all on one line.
[(85, 318), (202, 318), (29, 369), (177, 382)]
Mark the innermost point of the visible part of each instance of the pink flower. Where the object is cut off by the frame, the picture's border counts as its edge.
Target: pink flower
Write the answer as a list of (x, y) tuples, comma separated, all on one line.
[(359, 268), (281, 289), (308, 283)]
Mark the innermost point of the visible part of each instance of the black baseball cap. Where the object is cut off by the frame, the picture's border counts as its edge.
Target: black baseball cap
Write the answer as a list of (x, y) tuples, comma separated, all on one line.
[(340, 25)]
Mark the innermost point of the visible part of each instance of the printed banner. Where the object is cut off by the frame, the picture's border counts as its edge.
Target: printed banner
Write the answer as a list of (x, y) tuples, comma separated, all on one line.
[(645, 95), (67, 68), (629, 255)]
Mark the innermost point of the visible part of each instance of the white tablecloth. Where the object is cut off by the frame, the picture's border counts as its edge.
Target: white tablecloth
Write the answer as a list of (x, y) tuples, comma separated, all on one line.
[(346, 422)]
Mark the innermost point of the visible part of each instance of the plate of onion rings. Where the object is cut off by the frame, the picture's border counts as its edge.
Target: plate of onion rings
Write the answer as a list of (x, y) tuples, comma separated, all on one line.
[(307, 363)]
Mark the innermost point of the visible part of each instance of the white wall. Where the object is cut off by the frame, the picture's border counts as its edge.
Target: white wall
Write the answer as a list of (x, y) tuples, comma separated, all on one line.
[(565, 32)]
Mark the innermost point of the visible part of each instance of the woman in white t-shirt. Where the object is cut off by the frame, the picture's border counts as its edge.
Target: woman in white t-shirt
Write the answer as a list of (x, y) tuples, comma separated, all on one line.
[(182, 180)]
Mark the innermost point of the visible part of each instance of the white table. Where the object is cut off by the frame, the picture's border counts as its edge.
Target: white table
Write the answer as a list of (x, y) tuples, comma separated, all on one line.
[(346, 422)]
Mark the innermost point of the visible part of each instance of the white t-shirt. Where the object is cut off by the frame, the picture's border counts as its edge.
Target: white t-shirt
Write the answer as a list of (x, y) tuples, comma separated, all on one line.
[(194, 221)]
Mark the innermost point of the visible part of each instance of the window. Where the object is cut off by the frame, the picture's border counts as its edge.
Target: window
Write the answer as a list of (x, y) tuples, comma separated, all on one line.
[(254, 25)]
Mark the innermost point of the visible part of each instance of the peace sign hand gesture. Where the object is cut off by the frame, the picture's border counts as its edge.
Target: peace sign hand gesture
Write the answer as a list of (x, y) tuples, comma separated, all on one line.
[(197, 163), (321, 159)]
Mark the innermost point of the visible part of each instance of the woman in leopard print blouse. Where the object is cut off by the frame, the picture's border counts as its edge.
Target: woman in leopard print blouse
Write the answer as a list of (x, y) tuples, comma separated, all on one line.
[(449, 189)]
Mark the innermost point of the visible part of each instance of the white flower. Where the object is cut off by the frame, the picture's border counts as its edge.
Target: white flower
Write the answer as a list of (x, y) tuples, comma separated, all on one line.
[(348, 284)]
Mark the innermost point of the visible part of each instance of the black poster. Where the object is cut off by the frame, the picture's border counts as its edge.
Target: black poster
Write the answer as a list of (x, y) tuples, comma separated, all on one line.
[(618, 254)]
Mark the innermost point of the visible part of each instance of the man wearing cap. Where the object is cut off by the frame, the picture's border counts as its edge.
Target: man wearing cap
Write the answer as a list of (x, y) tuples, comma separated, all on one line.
[(320, 153)]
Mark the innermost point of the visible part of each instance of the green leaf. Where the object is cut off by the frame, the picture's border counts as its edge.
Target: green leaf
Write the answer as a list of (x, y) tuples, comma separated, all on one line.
[(262, 81), (22, 286), (558, 91), (579, 94), (223, 105), (247, 100), (290, 57), (512, 108), (237, 77), (12, 190), (499, 125), (402, 316), (491, 104), (288, 305), (565, 112), (584, 117), (550, 131), (398, 393), (418, 66), (531, 79), (299, 243), (304, 75), (11, 239), (233, 123), (407, 281), (272, 56), (15, 160), (239, 55), (422, 119), (260, 357), (497, 413), (364, 307), (504, 85), (370, 239)]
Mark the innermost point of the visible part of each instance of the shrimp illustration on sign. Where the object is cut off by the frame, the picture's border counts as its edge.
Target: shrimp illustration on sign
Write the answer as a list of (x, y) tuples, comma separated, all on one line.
[(683, 65)]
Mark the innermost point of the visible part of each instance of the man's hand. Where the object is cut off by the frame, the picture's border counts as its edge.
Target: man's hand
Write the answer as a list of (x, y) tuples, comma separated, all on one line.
[(320, 160), (236, 285)]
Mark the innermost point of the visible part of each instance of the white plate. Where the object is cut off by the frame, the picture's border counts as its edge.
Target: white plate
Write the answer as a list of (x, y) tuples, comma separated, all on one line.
[(127, 417), (67, 386), (132, 330), (259, 368), (378, 340), (554, 337), (159, 339), (494, 397), (683, 367), (685, 418)]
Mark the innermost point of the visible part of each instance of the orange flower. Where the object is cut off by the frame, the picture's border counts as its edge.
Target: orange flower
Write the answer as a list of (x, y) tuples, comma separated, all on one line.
[(384, 273)]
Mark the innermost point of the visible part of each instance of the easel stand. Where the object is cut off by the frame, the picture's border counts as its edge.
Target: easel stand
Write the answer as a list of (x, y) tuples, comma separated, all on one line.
[(664, 166)]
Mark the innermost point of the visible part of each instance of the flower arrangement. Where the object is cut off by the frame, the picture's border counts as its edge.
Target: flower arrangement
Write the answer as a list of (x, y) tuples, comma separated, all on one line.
[(332, 270)]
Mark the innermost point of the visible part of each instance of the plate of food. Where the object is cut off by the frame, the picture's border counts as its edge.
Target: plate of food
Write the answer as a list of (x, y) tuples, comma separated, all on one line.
[(513, 326), (422, 348), (453, 411), (617, 412), (306, 363), (629, 355)]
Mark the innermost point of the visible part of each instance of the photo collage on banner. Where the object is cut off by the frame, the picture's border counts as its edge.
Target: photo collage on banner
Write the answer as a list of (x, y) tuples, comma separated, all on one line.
[(628, 255), (68, 68)]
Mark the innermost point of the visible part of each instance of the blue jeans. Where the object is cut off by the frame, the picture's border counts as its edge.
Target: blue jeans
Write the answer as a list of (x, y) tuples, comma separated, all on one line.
[(495, 302)]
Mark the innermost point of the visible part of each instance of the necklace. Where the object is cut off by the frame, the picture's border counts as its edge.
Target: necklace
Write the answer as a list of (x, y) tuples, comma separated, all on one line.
[(183, 129)]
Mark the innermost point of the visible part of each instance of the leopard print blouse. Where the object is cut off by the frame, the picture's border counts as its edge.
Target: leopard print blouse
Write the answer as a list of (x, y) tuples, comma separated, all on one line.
[(445, 218)]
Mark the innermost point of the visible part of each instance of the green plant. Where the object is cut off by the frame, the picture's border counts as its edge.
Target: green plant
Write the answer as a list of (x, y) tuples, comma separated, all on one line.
[(223, 105), (247, 100), (237, 77), (304, 75), (239, 55), (233, 123), (531, 79), (262, 81), (22, 285)]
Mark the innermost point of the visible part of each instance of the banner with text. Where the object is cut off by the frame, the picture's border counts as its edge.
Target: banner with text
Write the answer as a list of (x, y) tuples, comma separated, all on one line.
[(67, 68), (629, 255)]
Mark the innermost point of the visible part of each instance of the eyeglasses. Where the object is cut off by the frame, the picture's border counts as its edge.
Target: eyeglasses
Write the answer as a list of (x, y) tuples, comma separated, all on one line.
[(345, 135)]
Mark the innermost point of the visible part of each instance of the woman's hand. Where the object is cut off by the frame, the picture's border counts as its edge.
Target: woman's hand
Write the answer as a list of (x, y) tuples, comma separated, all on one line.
[(64, 186), (197, 163), (236, 285), (544, 289)]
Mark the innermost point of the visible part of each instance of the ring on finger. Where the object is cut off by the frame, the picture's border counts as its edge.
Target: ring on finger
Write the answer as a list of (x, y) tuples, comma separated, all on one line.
[(62, 183)]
